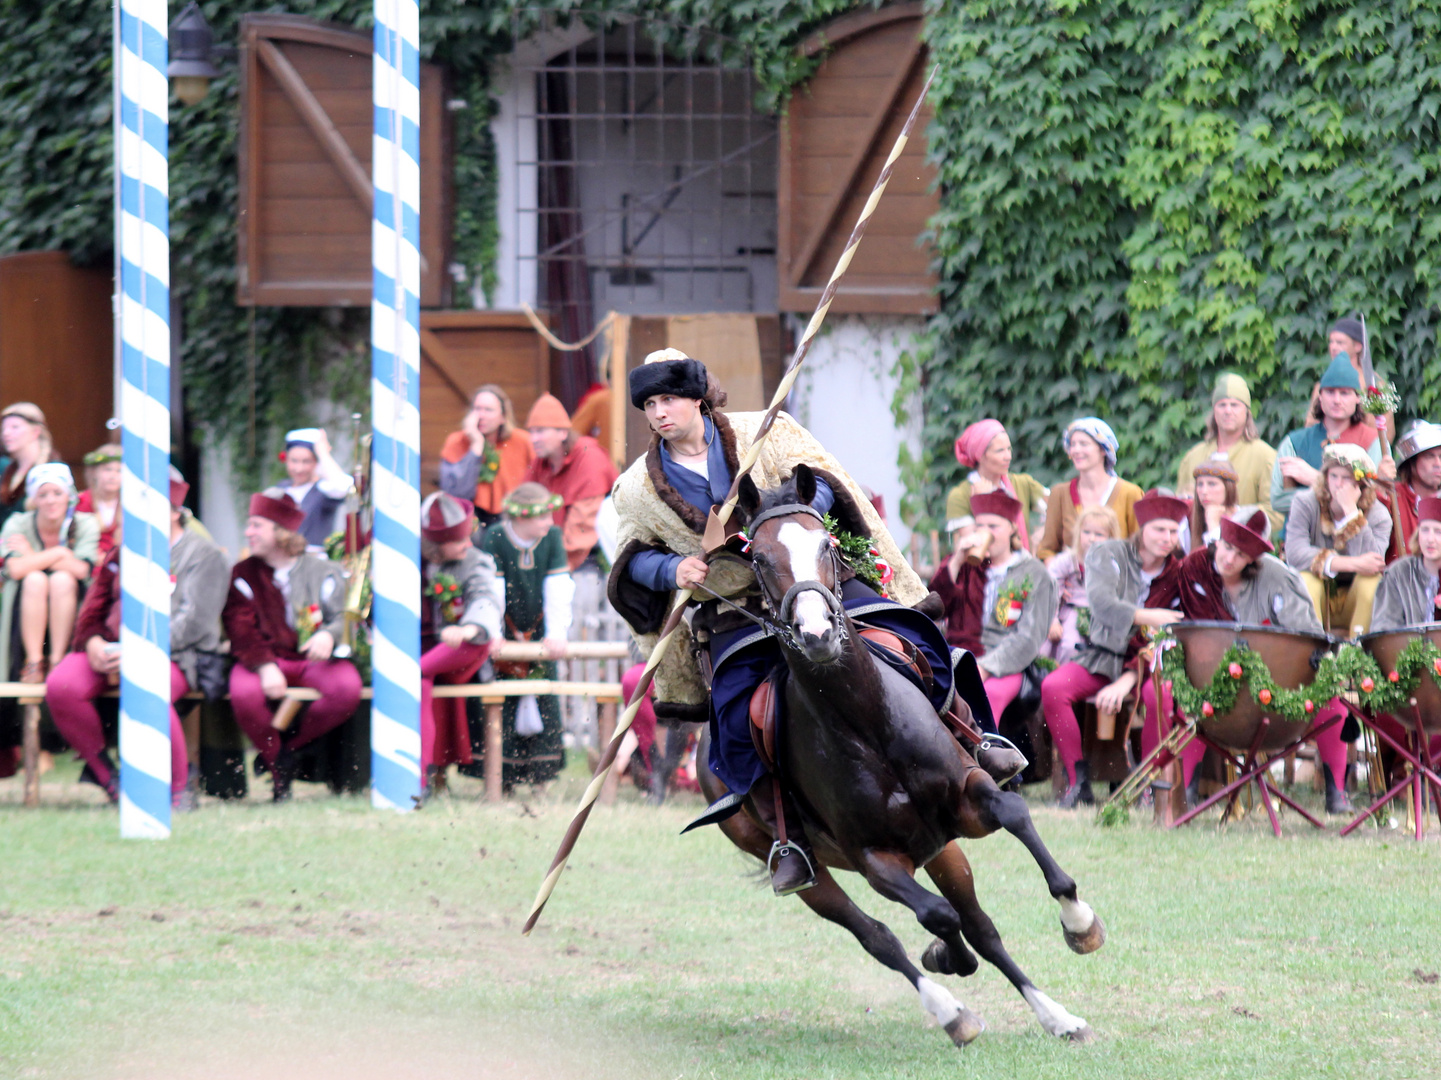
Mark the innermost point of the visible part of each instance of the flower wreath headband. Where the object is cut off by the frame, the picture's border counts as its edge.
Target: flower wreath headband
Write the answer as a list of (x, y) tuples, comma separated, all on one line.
[(100, 457), (530, 510)]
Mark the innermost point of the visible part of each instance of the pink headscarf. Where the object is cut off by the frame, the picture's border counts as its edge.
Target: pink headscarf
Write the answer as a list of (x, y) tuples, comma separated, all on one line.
[(974, 440)]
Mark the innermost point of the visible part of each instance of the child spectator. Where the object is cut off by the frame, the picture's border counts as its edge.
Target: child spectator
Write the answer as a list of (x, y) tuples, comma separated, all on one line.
[(101, 496), (1073, 613)]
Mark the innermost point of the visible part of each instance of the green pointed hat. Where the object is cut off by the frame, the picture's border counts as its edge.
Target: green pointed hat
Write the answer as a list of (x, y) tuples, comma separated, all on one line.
[(1341, 375)]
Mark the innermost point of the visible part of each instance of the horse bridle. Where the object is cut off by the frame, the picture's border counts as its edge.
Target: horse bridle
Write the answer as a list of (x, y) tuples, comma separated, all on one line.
[(786, 606)]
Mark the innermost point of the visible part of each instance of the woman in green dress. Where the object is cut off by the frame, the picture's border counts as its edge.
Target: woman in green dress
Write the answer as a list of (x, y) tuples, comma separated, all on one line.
[(539, 591)]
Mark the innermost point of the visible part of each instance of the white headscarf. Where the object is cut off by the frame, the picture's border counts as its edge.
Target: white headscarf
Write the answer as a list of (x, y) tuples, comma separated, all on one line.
[(50, 472)]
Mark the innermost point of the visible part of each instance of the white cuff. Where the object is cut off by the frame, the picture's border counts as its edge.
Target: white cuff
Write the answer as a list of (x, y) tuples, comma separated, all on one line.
[(1326, 566)]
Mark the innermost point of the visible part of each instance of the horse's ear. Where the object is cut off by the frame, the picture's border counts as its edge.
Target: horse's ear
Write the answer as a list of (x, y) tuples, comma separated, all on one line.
[(805, 484), (748, 497)]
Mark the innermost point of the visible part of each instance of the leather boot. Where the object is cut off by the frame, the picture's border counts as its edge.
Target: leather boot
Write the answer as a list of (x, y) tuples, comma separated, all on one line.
[(999, 757), (1080, 791), (283, 775), (1337, 801), (792, 864)]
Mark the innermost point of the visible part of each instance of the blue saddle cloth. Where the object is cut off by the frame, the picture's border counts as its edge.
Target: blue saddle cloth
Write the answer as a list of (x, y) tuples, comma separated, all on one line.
[(744, 658)]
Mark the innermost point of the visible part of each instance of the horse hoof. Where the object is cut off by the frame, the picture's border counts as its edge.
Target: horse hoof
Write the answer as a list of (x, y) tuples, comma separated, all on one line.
[(940, 959), (1083, 1034), (1089, 940), (965, 1027)]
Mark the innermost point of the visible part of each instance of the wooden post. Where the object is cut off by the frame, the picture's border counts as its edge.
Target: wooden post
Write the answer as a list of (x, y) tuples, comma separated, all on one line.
[(493, 714), (1169, 805), (30, 743), (605, 724)]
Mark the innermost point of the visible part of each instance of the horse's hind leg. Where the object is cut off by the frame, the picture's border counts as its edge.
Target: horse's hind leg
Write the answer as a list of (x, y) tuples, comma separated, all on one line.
[(951, 872), (999, 809), (828, 900)]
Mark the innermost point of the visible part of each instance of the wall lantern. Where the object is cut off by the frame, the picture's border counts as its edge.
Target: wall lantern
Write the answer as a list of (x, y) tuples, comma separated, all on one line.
[(190, 68)]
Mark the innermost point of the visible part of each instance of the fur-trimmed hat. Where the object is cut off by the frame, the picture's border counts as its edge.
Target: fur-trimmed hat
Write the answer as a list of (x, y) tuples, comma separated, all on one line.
[(547, 412), (1217, 465), (444, 518), (275, 505), (1246, 537), (998, 503), (667, 371), (1154, 506)]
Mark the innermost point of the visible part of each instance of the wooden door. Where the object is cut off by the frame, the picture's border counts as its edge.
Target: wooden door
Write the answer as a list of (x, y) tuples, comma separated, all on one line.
[(305, 146), (835, 137)]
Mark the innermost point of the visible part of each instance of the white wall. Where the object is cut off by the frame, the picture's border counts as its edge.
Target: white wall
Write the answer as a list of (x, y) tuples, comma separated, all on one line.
[(843, 395)]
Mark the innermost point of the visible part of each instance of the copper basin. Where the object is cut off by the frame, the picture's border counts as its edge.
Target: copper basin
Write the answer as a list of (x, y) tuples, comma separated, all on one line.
[(1385, 646), (1287, 654)]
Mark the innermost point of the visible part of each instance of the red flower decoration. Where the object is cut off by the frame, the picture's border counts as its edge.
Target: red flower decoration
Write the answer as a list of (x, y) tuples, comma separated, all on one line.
[(1235, 670), (1207, 709), (1368, 684), (1265, 697), (439, 589), (1395, 676), (1309, 706), (1436, 664)]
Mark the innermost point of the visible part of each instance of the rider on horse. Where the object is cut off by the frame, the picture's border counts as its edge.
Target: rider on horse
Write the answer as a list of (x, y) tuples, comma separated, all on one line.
[(709, 674)]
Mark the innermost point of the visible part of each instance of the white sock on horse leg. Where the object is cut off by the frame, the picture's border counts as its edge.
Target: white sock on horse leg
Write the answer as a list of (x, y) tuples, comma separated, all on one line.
[(1076, 915), (1056, 1020), (938, 1001)]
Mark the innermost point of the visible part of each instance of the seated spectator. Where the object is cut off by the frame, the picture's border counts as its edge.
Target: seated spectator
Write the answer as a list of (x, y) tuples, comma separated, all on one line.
[(985, 449), (1014, 598), (283, 615), (573, 467), (1348, 336), (101, 496), (1214, 483), (484, 461), (1236, 579), (24, 443), (1231, 431), (47, 552), (1418, 476), (1091, 445), (1340, 419), (1068, 569), (460, 617), (1336, 538), (530, 557), (316, 483), (1119, 574), (198, 573)]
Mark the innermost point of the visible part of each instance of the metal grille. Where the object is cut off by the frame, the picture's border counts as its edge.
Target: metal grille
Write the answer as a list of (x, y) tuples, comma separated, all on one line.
[(654, 177)]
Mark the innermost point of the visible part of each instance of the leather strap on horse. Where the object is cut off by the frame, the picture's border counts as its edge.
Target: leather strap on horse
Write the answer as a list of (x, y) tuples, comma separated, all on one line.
[(718, 521)]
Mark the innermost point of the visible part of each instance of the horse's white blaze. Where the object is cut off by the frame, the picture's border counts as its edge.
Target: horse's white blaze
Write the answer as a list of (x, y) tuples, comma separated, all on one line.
[(1056, 1020), (1076, 915), (937, 1001), (805, 546)]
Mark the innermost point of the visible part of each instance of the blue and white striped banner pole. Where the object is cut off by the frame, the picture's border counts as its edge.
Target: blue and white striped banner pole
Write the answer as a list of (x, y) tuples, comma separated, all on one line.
[(395, 407), (142, 235)]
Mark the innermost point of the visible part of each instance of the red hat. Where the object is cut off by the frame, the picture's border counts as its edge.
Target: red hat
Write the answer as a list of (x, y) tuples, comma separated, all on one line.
[(279, 508), (998, 503), (547, 412), (1428, 510), (1248, 537), (178, 489), (1153, 506), (444, 518)]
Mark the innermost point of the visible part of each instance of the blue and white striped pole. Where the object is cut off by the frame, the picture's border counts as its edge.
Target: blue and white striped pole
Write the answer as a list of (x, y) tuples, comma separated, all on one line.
[(395, 407), (142, 235)]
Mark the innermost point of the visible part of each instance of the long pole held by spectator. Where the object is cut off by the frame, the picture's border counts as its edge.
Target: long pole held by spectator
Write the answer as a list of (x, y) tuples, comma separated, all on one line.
[(721, 517), (395, 407), (142, 228)]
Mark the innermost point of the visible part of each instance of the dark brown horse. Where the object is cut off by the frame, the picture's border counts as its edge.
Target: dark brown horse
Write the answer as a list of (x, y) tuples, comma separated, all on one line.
[(883, 786)]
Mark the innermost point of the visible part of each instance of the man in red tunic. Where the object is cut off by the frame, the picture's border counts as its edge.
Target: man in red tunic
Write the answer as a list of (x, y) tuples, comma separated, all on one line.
[(1418, 476), (283, 615), (576, 468)]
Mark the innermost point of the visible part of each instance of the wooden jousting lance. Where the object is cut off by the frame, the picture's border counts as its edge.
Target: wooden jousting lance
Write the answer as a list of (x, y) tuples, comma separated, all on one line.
[(715, 528)]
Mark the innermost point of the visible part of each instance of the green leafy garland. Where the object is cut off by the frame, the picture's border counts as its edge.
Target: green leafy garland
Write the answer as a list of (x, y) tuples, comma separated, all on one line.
[(857, 552), (1350, 668)]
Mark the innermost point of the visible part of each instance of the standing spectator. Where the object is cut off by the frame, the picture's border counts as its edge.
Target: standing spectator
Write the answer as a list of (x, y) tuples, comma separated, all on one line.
[(1072, 624), (1215, 486), (985, 449), (198, 573), (1091, 445), (530, 558), (1348, 336), (101, 496), (1418, 476), (484, 461), (460, 617), (316, 483), (47, 552), (1341, 419), (24, 443), (573, 467), (1336, 538), (283, 615), (1231, 430)]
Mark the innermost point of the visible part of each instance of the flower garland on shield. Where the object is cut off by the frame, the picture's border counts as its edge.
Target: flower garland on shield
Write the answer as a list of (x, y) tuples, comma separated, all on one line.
[(1391, 691), (447, 592), (1012, 601), (1242, 664)]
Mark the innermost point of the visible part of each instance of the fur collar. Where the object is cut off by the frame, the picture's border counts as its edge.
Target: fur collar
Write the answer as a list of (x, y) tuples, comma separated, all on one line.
[(1328, 519), (693, 518)]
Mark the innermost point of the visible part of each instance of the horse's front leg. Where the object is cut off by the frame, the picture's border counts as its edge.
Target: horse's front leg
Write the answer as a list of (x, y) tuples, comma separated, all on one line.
[(997, 809), (828, 900)]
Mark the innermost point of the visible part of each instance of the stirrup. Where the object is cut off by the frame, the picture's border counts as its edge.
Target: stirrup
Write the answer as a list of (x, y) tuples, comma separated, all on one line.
[(781, 849), (991, 741)]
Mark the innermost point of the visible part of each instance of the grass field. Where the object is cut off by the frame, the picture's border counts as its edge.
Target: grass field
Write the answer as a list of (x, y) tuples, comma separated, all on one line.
[(323, 939)]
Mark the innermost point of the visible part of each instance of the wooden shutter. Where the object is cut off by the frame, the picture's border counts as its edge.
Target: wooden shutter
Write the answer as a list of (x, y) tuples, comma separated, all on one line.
[(837, 132), (305, 147)]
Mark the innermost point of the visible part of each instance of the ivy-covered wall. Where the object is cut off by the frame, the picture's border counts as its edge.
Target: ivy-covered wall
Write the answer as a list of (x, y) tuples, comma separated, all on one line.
[(1137, 194), (250, 373)]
